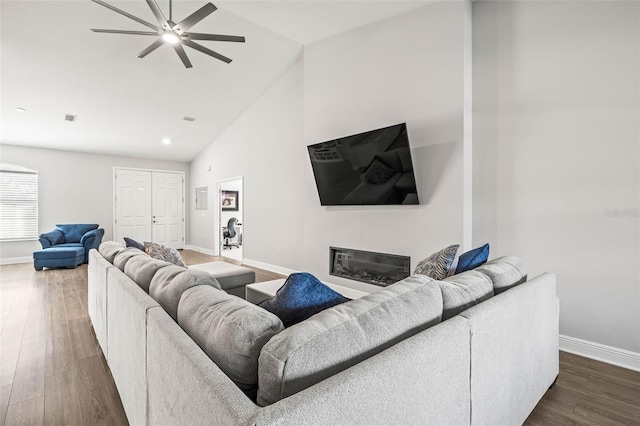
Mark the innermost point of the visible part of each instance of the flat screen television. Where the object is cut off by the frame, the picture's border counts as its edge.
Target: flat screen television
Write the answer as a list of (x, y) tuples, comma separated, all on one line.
[(370, 168)]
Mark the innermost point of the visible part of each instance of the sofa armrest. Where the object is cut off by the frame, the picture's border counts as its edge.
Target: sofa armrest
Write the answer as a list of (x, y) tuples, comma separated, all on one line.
[(51, 238), (92, 239)]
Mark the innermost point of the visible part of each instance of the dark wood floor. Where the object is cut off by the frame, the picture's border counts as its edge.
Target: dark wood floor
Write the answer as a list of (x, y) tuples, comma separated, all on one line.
[(52, 370)]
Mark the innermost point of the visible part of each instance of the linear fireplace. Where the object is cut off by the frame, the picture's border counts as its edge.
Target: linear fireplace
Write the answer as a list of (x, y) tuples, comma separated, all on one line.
[(373, 268)]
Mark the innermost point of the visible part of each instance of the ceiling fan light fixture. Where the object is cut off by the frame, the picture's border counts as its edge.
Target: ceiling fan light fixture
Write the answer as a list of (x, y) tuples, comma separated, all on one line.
[(170, 37), (168, 32)]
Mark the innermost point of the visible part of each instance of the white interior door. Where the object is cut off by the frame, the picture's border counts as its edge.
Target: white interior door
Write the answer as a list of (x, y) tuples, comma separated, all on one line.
[(133, 205), (167, 211)]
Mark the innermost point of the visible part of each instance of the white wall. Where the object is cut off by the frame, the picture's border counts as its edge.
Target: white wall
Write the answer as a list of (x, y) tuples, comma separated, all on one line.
[(74, 187), (556, 147), (404, 69), (261, 147)]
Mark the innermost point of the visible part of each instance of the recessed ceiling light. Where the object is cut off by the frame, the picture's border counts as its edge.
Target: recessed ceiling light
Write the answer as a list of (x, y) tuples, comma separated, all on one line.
[(19, 109), (166, 141), (69, 117)]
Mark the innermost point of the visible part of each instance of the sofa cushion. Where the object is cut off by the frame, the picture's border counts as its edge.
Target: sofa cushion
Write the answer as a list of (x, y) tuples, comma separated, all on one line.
[(160, 252), (109, 250), (301, 296), (126, 254), (377, 172), (392, 159), (344, 335), (405, 159), (462, 291), (230, 330), (505, 272), (168, 284), (130, 242), (74, 232), (438, 264), (54, 237), (472, 258), (141, 270)]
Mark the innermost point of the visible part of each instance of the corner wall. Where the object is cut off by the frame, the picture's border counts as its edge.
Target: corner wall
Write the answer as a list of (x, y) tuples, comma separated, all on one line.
[(404, 69), (556, 158), (74, 187)]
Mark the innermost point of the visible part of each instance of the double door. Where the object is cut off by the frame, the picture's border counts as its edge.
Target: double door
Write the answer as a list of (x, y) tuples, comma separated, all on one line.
[(149, 206)]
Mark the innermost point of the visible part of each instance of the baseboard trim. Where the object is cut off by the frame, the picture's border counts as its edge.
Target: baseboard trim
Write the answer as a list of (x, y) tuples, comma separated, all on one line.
[(201, 250), (14, 260), (268, 267), (604, 353)]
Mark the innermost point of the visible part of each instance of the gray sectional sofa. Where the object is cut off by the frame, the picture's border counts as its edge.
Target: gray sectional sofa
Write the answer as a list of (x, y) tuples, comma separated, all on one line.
[(479, 348)]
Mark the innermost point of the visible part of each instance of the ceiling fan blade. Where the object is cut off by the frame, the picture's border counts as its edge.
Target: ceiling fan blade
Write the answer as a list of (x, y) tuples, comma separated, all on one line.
[(203, 49), (159, 42), (155, 33), (183, 55), (194, 18), (158, 13), (128, 15), (215, 37)]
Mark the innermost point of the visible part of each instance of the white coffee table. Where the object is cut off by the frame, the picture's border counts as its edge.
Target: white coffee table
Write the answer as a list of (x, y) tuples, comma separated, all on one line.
[(257, 292)]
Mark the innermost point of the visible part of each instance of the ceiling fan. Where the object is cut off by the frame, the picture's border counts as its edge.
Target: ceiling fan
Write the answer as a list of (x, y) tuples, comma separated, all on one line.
[(171, 33)]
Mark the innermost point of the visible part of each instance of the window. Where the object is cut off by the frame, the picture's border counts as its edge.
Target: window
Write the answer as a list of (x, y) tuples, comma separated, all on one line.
[(18, 203)]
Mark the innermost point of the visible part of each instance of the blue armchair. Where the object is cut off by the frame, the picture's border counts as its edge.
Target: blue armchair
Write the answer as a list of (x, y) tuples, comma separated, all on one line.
[(78, 235)]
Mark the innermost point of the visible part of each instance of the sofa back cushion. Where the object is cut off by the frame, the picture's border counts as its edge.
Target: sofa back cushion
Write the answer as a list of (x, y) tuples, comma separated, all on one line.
[(168, 284), (141, 270), (230, 330), (464, 290), (74, 232), (344, 335), (505, 272), (109, 250), (126, 254)]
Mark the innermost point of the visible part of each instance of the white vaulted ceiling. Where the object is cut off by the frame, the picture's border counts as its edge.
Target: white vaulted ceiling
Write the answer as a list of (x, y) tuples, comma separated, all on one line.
[(52, 65)]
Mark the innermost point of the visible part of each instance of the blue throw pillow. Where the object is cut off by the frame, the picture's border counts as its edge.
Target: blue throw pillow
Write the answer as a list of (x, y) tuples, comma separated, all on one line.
[(129, 242), (73, 233), (301, 297), (473, 258)]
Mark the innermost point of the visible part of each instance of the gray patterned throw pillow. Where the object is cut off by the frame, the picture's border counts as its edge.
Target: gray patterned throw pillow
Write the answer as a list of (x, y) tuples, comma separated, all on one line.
[(168, 254), (438, 264)]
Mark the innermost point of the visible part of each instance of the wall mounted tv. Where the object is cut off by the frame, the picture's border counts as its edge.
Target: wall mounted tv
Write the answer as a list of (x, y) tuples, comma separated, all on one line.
[(370, 168)]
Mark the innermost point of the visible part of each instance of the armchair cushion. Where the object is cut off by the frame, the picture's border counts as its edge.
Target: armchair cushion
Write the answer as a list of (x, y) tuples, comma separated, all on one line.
[(51, 238), (73, 232), (94, 233)]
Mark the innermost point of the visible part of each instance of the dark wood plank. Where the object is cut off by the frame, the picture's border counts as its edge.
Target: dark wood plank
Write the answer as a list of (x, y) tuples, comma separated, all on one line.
[(99, 400), (83, 340), (58, 352), (590, 392), (28, 413), (28, 382), (74, 308), (62, 403), (5, 395), (9, 352)]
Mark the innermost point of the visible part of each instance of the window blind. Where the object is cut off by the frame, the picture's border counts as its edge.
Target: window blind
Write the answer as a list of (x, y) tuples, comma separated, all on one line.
[(18, 203)]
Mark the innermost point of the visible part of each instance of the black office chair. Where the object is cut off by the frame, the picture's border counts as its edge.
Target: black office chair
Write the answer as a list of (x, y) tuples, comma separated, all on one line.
[(230, 232)]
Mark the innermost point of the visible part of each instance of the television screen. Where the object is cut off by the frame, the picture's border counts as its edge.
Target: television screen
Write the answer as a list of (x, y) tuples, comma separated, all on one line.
[(370, 168)]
